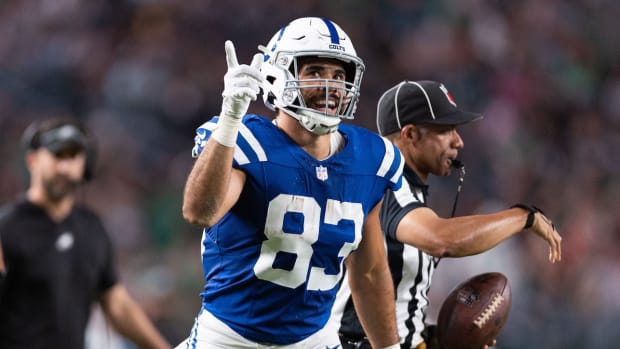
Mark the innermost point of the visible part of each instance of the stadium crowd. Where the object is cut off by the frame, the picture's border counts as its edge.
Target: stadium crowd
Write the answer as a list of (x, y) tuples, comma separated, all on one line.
[(144, 74)]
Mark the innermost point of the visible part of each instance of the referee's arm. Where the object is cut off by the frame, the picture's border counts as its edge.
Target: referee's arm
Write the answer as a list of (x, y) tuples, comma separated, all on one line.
[(469, 235)]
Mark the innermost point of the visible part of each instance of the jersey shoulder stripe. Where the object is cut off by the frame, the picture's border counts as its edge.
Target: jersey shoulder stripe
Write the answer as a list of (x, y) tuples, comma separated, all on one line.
[(370, 149), (248, 144), (248, 148), (369, 152), (393, 161)]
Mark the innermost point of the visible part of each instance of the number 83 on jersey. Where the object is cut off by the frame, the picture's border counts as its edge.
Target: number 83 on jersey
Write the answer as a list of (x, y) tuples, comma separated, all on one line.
[(300, 245)]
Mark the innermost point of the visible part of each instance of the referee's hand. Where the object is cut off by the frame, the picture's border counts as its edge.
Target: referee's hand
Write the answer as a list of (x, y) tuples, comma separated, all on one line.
[(545, 228)]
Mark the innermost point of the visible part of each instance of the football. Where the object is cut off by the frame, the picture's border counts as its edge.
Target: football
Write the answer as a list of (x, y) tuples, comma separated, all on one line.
[(474, 312)]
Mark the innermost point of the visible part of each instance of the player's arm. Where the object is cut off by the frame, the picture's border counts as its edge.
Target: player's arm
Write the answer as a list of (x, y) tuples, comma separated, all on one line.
[(130, 320), (468, 235), (213, 186), (371, 285)]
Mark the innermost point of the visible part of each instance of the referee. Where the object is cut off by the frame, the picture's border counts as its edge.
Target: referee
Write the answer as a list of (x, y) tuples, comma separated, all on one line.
[(56, 259), (421, 117)]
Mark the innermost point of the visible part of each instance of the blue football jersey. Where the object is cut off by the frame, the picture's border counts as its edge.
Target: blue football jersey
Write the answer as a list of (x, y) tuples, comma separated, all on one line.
[(273, 263)]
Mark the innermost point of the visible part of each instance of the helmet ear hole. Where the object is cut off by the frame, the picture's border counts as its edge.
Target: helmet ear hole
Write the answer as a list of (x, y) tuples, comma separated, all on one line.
[(350, 69), (270, 100)]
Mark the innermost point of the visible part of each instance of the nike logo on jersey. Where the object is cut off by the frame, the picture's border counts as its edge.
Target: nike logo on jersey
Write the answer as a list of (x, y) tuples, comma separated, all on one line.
[(334, 347)]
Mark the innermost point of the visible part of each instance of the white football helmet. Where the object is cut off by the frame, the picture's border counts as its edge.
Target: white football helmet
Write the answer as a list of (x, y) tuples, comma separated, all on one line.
[(303, 37)]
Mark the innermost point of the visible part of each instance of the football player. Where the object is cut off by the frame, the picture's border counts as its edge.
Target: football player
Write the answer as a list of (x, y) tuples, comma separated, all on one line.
[(286, 202)]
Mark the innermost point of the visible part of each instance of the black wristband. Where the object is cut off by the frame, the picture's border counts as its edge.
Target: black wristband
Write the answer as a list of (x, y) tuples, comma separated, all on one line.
[(532, 213)]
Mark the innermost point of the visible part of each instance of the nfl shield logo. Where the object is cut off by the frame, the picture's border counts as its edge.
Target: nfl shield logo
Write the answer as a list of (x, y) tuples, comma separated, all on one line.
[(321, 173), (448, 95)]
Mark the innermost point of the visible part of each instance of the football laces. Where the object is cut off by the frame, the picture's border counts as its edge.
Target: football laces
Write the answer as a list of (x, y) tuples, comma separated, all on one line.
[(489, 311)]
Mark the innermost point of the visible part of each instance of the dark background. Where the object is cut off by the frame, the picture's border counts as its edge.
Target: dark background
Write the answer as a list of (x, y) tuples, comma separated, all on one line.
[(144, 74)]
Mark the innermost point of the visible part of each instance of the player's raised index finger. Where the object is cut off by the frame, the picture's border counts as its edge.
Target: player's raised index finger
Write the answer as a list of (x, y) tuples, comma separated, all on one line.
[(231, 54)]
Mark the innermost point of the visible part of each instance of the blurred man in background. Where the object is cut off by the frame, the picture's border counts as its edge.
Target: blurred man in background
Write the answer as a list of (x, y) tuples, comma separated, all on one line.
[(57, 259)]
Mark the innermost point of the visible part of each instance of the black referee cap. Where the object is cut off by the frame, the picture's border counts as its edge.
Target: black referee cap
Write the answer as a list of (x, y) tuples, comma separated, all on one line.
[(419, 103)]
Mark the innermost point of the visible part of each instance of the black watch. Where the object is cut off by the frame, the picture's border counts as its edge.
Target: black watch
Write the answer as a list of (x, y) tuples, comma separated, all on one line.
[(532, 213)]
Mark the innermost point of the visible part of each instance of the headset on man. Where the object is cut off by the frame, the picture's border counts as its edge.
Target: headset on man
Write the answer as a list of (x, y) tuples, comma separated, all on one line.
[(55, 134)]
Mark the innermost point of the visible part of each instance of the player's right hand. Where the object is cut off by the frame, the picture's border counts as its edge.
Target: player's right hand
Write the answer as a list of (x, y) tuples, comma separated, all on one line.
[(545, 228), (241, 83)]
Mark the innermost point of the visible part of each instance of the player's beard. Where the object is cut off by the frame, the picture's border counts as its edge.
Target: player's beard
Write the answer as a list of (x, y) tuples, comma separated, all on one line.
[(58, 187)]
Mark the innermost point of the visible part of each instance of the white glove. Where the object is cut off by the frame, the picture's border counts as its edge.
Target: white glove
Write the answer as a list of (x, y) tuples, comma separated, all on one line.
[(241, 86)]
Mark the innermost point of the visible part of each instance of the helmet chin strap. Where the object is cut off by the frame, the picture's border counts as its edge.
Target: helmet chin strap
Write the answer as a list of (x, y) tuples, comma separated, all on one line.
[(315, 122)]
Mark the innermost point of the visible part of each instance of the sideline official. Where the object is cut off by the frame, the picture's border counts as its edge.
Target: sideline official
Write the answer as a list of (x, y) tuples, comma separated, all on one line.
[(55, 257)]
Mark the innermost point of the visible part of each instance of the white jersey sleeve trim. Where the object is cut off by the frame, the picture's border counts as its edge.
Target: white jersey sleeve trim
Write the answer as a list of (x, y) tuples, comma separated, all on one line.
[(388, 160), (240, 156), (399, 173)]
